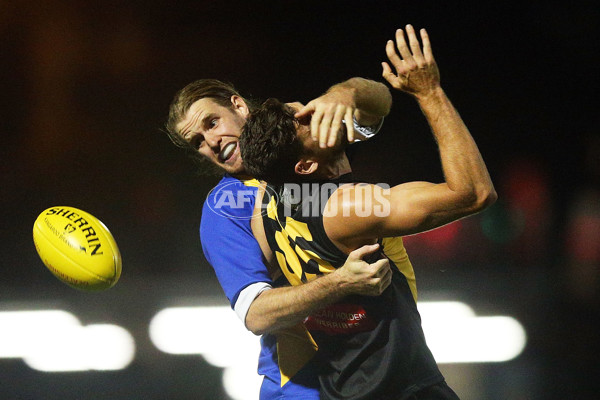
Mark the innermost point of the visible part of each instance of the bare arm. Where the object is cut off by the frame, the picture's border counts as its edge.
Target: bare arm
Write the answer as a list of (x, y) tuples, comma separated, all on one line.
[(372, 99), (418, 206), (278, 308), (287, 306), (366, 100), (463, 166)]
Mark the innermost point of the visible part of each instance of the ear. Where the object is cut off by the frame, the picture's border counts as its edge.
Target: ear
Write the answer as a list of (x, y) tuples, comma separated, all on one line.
[(306, 167), (239, 105)]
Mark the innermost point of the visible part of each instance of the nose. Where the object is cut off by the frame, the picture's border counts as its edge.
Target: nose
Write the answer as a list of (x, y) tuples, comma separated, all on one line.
[(213, 141)]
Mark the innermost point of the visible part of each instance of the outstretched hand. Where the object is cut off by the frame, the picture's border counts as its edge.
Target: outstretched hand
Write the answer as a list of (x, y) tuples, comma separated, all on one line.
[(416, 70), (329, 114)]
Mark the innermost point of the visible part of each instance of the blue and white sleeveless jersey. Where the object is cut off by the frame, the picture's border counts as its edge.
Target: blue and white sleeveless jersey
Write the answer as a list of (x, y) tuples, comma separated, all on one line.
[(226, 236)]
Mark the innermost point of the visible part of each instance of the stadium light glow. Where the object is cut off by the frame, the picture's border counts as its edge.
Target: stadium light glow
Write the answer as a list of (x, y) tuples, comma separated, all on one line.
[(21, 329), (454, 333), (190, 330), (55, 341), (242, 382)]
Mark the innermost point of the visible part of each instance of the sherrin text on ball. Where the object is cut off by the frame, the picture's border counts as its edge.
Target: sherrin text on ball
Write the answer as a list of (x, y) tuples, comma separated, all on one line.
[(77, 248)]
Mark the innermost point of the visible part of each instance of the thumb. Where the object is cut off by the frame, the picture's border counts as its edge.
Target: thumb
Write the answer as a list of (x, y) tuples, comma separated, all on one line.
[(364, 251), (387, 72)]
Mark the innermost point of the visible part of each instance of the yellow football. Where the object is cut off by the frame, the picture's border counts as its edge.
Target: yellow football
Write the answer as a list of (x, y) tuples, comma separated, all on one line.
[(77, 248)]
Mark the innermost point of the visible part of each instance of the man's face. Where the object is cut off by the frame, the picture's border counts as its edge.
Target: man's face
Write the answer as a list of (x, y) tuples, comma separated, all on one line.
[(214, 130)]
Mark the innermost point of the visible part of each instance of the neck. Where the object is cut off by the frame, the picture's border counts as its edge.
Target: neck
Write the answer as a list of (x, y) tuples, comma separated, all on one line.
[(242, 177), (335, 168)]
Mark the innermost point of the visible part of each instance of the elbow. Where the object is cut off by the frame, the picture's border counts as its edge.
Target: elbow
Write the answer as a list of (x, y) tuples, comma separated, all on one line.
[(491, 198), (484, 198), (257, 318), (256, 326), (258, 332), (477, 200), (257, 322), (487, 195)]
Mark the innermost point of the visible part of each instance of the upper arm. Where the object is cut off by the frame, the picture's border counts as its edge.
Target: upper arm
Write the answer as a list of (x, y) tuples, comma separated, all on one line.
[(232, 250), (356, 214)]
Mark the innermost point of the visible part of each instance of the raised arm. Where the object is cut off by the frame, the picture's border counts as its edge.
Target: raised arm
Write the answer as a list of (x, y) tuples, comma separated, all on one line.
[(417, 206), (365, 100)]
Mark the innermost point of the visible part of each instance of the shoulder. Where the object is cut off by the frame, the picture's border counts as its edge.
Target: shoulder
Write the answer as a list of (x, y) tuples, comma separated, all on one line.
[(231, 198)]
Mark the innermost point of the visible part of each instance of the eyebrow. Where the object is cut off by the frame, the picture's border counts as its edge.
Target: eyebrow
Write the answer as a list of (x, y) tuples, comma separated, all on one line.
[(185, 130), (206, 118), (194, 122)]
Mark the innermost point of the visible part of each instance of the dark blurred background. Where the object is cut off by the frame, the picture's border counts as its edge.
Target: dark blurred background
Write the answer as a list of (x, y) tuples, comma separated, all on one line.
[(85, 88)]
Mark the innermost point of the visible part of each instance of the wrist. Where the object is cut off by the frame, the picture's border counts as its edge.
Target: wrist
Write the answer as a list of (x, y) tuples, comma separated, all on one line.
[(433, 94), (337, 283)]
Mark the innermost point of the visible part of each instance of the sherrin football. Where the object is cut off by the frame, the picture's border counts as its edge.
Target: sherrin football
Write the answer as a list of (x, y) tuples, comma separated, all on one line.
[(77, 248)]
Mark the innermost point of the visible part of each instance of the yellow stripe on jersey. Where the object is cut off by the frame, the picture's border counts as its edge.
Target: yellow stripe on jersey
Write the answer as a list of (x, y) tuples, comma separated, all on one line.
[(272, 208), (295, 347), (288, 258), (297, 229), (251, 182), (393, 248), (324, 266)]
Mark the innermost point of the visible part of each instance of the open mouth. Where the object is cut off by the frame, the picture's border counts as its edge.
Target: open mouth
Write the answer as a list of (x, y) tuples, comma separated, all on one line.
[(227, 151)]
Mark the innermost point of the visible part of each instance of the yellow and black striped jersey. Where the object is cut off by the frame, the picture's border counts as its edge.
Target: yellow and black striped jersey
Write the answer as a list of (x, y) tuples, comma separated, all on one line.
[(368, 347)]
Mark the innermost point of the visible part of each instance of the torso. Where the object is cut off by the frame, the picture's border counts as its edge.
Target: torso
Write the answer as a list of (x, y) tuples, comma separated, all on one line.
[(369, 347)]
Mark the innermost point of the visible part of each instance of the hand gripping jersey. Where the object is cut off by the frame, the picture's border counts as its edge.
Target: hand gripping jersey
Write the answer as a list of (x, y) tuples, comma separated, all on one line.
[(368, 347)]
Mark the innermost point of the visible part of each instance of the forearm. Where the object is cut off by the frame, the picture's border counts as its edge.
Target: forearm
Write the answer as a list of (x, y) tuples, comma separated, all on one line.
[(373, 99), (279, 308), (463, 166)]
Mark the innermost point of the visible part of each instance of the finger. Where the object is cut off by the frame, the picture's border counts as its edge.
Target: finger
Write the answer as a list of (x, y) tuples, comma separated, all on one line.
[(390, 51), (315, 122), (364, 251), (402, 46), (415, 46), (387, 279), (349, 118), (324, 128), (306, 110), (388, 75), (296, 105), (427, 52), (336, 126), (382, 266)]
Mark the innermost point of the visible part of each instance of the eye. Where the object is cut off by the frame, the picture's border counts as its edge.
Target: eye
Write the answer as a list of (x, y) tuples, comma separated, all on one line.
[(213, 123)]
